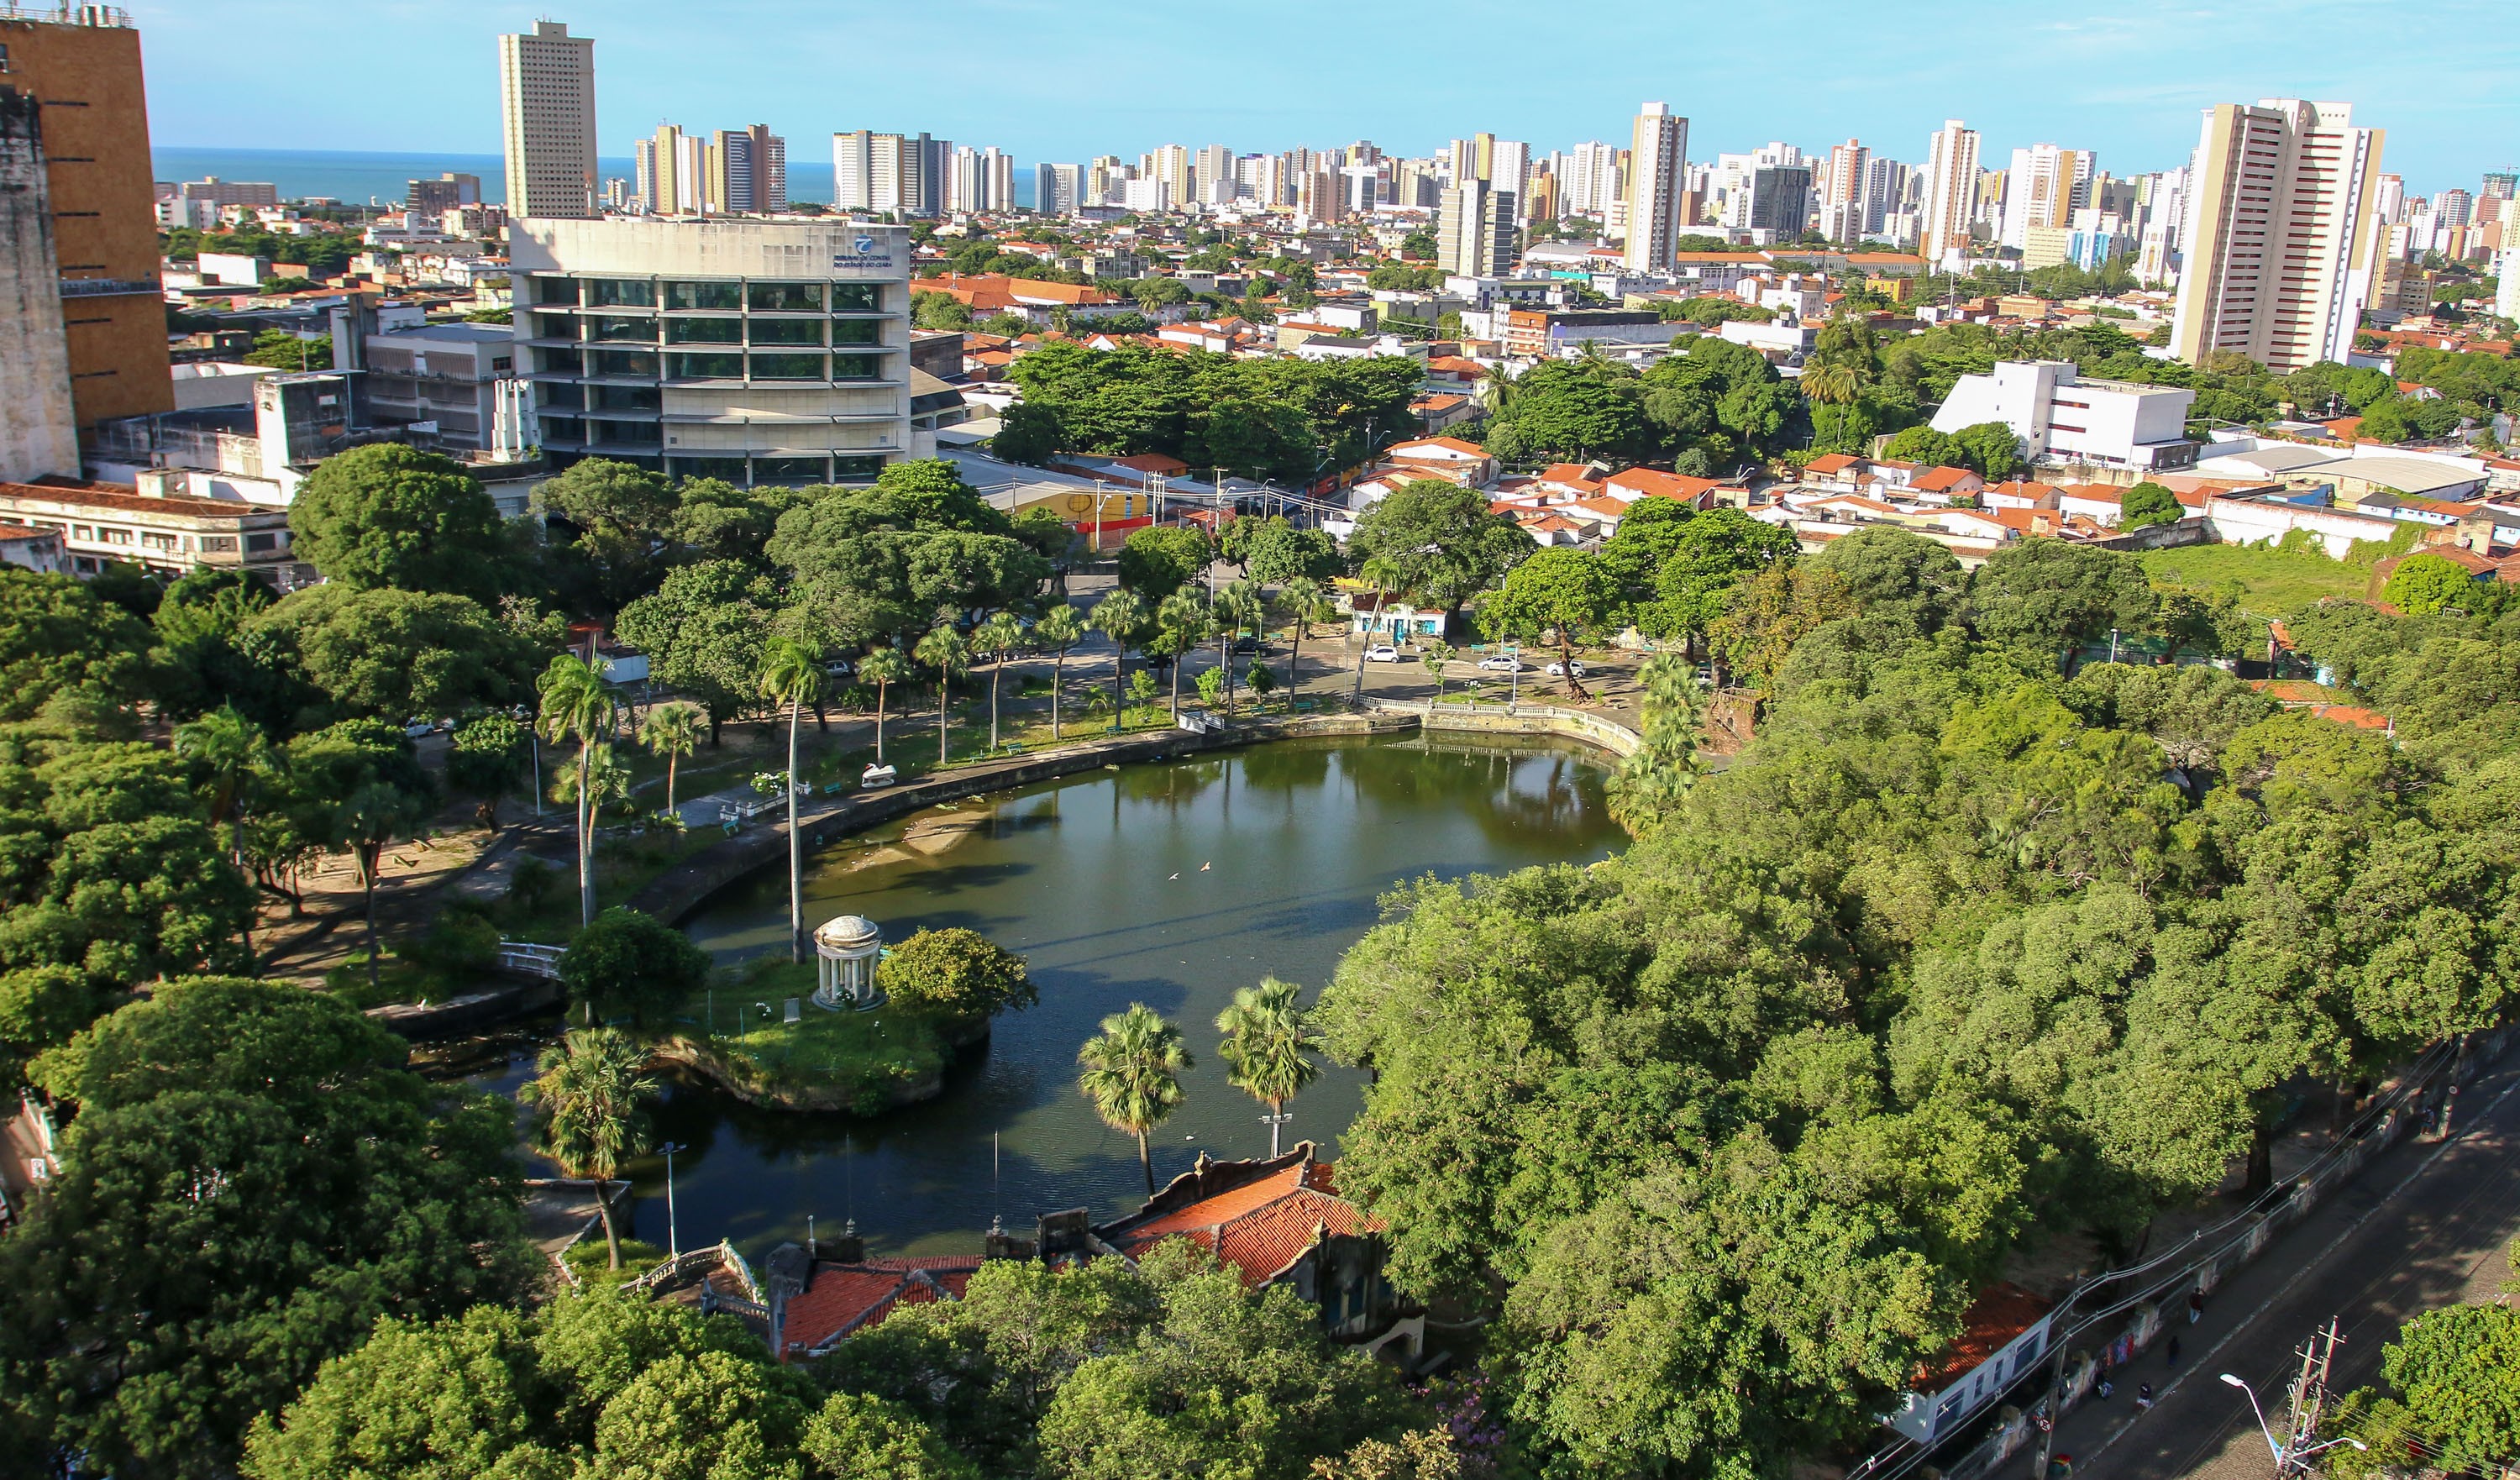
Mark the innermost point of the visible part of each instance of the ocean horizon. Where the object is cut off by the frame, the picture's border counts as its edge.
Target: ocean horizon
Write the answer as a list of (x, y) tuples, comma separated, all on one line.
[(363, 177)]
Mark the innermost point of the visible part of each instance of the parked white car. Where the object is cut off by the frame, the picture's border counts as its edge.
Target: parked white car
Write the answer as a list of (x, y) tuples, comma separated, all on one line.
[(1500, 663), (1558, 670), (1385, 653)]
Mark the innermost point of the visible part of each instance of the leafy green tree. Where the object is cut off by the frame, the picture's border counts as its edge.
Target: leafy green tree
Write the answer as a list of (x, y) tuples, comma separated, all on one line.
[(1267, 1047), (1564, 593), (1059, 629), (2147, 504), (1122, 616), (674, 731), (396, 654), (1990, 449), (252, 1180), (1702, 564), (1440, 541), (631, 965), (1280, 552), (2426, 583), (1303, 601), (944, 650), (1652, 781), (1772, 612), (1228, 1383), (1156, 561), (958, 974), (586, 1093), (576, 706), (855, 1435), (1897, 572), (56, 636), (622, 520), (887, 666), (205, 656), (389, 515), (703, 631), (1181, 624), (2046, 595), (1028, 433), (791, 674), (1133, 1075), (1923, 444), (486, 759)]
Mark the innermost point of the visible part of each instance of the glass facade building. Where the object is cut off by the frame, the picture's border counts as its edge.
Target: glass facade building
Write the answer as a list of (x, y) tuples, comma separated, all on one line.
[(760, 352)]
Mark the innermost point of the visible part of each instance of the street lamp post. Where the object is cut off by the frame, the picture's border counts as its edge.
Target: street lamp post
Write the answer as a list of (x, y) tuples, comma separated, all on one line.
[(2288, 1458), (673, 1233)]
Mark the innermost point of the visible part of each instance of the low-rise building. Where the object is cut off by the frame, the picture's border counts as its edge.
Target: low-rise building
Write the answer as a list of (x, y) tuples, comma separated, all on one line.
[(2061, 417), (103, 523), (30, 549)]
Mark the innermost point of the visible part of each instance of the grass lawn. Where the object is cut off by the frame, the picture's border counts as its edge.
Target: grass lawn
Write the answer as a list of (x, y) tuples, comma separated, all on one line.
[(2275, 581), (857, 1057)]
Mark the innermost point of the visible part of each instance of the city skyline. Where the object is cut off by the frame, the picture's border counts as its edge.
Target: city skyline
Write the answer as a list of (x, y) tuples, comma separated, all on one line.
[(2099, 82)]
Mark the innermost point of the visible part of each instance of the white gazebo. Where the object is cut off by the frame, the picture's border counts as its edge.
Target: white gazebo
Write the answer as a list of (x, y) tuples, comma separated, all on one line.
[(845, 950)]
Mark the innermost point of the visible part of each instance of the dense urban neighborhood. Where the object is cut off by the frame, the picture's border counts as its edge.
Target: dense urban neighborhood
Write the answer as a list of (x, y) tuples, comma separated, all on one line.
[(1534, 810)]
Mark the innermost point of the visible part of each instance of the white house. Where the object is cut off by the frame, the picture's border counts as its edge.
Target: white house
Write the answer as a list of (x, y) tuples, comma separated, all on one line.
[(2062, 418), (2002, 1336)]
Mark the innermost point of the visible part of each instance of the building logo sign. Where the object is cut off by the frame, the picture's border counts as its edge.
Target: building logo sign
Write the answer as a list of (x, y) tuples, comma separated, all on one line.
[(865, 247)]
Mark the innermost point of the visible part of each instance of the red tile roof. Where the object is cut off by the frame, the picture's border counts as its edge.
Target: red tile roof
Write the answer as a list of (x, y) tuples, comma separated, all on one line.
[(1944, 479), (1261, 1226), (2002, 1312), (841, 1298)]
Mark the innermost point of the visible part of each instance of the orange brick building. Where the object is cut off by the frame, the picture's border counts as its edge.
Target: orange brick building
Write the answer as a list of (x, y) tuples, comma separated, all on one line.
[(85, 72)]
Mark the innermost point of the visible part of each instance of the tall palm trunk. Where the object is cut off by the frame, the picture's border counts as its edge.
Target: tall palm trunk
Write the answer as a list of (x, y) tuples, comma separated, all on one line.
[(603, 1209), (1147, 1163), (585, 853), (795, 851), (881, 687), (1178, 664), (1294, 661), (673, 759), (1058, 683), (1119, 669), (944, 691), (996, 667), (1277, 1117), (369, 858)]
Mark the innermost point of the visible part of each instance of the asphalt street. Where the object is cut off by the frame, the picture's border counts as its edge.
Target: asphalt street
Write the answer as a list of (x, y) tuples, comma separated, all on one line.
[(2425, 1225)]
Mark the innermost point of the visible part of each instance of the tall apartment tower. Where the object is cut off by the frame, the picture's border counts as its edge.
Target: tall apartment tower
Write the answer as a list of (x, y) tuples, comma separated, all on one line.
[(83, 75), (1951, 191), (1509, 169), (547, 119), (2044, 188), (1475, 231), (1843, 210), (38, 434), (1053, 189), (2279, 255), (1657, 184)]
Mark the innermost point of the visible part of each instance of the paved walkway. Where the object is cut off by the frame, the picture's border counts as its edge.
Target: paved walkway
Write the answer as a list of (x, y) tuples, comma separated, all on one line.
[(2425, 1225)]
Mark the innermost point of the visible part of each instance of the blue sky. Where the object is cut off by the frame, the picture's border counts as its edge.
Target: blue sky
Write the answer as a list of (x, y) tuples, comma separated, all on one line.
[(1067, 79)]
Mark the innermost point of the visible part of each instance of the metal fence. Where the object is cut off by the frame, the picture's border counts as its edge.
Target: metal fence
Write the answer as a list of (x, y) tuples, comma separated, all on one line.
[(2129, 1317)]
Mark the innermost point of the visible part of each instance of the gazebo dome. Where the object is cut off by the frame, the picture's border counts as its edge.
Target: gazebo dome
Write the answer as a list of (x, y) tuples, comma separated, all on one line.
[(846, 948)]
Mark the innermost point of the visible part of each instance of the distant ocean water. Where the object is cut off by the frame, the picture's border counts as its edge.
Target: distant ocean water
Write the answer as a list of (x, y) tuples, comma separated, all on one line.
[(357, 178)]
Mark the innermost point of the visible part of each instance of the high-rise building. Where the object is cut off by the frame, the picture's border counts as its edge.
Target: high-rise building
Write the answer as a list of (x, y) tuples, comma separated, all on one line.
[(1213, 167), (1172, 164), (2279, 255), (1540, 190), (853, 170), (1462, 160), (901, 175), (1843, 212), (1780, 201), (1509, 169), (1594, 179), (448, 192), (546, 120), (2502, 184), (1475, 231), (748, 169), (38, 429), (1951, 192), (788, 363), (1483, 156), (100, 289), (1053, 189), (1657, 169), (2044, 188)]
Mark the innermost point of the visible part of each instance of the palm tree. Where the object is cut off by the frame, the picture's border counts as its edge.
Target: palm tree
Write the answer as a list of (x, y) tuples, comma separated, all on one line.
[(674, 731), (1238, 608), (576, 706), (1181, 625), (944, 650), (230, 752), (586, 1092), (1133, 1075), (1832, 385), (1496, 389), (887, 667), (1119, 616), (791, 674), (1304, 603), (1060, 628), (997, 636), (1267, 1046)]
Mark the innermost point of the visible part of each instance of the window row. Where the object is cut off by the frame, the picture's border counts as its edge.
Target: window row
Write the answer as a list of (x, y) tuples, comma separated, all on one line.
[(728, 365), (759, 297), (620, 328)]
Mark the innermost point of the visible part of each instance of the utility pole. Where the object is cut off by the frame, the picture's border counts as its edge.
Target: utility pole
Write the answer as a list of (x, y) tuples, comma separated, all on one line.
[(2310, 1388)]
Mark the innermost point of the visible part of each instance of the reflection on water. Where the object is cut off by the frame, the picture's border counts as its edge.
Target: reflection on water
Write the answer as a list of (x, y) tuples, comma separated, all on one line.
[(1168, 885)]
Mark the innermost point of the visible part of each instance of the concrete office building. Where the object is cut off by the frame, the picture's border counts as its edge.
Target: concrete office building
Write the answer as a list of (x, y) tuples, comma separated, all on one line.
[(450, 191), (1657, 188), (2280, 254), (1053, 189), (761, 352), (84, 74), (1475, 231), (442, 375), (547, 121)]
